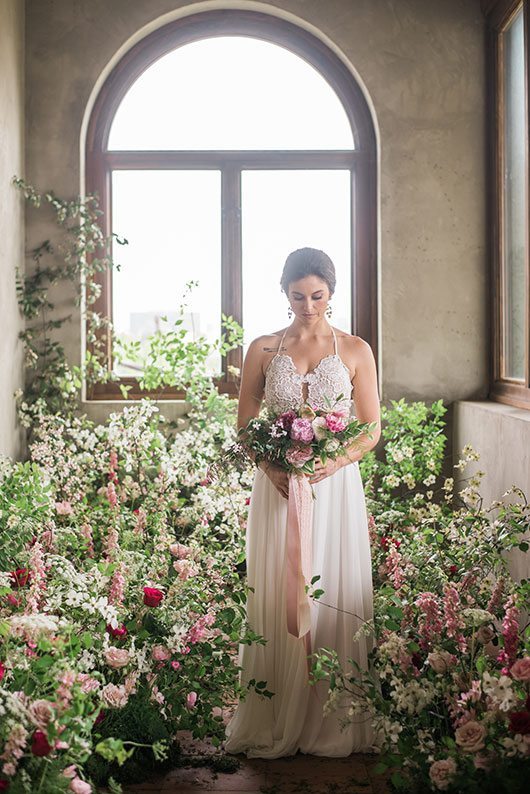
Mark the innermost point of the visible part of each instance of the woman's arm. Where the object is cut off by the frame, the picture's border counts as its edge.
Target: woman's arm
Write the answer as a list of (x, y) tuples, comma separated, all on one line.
[(366, 398)]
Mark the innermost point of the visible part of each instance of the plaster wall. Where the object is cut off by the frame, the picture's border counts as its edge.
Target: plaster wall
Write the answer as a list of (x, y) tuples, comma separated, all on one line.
[(11, 216), (422, 65)]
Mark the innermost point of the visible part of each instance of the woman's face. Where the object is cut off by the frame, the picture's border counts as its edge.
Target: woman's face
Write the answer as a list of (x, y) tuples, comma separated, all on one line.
[(309, 297)]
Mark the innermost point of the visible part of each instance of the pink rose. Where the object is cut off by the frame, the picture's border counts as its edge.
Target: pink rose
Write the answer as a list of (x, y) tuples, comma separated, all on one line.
[(297, 456), (41, 713), (79, 786), (302, 430), (117, 657), (470, 736), (70, 771), (520, 669), (191, 700), (335, 422), (441, 772)]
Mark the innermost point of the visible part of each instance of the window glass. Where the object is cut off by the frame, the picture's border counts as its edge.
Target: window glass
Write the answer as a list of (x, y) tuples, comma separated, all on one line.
[(172, 221), (282, 211), (230, 92), (514, 287)]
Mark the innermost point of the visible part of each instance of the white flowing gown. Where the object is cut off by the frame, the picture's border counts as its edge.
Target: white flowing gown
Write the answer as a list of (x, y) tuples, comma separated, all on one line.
[(293, 719)]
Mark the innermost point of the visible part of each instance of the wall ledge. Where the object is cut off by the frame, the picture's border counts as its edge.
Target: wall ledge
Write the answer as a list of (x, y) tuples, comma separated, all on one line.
[(495, 409)]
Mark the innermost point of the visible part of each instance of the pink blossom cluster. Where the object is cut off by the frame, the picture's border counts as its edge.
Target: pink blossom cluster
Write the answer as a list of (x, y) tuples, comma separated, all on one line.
[(14, 749), (496, 595), (199, 630), (394, 568), (431, 622), (453, 616), (510, 632), (86, 533), (38, 579), (117, 587)]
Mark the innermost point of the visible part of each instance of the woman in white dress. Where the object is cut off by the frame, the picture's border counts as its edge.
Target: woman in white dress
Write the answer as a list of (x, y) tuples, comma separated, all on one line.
[(293, 719)]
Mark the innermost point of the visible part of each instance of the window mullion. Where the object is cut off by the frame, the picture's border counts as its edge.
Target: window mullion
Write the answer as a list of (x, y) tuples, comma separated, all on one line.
[(231, 264)]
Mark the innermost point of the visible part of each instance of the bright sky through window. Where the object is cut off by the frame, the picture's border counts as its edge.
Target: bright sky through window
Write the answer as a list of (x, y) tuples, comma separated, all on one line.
[(234, 93), (231, 92)]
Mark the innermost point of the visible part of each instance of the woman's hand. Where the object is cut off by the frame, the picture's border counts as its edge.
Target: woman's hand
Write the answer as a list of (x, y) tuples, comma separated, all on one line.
[(322, 471), (279, 478)]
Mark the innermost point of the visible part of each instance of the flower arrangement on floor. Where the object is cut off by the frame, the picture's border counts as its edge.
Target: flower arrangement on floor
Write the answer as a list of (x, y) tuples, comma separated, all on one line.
[(448, 687), (121, 602)]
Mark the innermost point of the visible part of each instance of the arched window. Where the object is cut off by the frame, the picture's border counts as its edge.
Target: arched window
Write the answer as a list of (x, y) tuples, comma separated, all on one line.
[(218, 144)]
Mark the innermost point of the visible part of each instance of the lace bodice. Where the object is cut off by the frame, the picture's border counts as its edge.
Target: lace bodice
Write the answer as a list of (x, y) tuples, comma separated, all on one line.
[(284, 384)]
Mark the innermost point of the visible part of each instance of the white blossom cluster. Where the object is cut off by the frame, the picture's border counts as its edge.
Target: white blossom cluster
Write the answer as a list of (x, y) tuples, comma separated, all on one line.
[(413, 696)]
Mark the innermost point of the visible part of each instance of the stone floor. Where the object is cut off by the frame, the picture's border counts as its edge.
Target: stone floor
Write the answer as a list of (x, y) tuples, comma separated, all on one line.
[(298, 774)]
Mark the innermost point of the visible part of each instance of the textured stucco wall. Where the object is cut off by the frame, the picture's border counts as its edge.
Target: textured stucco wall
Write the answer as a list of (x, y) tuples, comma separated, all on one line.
[(501, 436), (422, 64), (11, 215)]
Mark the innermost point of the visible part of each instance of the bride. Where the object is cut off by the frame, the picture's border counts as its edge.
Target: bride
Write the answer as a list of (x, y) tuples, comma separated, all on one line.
[(308, 360)]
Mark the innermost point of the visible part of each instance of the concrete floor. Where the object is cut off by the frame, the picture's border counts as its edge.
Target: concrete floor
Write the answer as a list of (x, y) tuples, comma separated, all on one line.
[(298, 774)]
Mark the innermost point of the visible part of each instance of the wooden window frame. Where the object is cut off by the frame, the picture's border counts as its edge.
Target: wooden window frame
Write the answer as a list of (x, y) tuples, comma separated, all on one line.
[(498, 15), (362, 163)]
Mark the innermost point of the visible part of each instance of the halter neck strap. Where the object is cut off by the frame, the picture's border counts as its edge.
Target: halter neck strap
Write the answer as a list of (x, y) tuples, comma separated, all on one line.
[(284, 333)]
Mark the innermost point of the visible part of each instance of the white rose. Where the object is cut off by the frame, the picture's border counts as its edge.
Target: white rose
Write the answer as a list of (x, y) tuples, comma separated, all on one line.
[(319, 427), (332, 445)]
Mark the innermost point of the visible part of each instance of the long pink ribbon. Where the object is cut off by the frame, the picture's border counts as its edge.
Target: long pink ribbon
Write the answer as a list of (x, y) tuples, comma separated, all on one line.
[(299, 559)]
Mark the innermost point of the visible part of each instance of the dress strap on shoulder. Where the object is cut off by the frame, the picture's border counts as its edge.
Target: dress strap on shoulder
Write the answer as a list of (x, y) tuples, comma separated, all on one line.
[(281, 342), (334, 338)]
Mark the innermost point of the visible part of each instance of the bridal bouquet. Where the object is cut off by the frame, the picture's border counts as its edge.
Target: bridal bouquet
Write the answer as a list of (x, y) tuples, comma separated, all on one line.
[(293, 440)]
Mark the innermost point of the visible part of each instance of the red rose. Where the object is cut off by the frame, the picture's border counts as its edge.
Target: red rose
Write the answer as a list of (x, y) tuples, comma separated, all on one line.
[(20, 577), (39, 744), (520, 722), (152, 596), (119, 631)]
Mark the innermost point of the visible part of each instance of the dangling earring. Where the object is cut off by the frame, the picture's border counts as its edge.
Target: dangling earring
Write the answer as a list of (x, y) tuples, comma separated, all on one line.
[(329, 310), (289, 312)]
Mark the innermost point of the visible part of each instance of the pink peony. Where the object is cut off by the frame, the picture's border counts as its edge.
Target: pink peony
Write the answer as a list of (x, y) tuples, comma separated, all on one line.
[(520, 669), (191, 699), (114, 696), (302, 430), (286, 419), (335, 422), (160, 653), (297, 456)]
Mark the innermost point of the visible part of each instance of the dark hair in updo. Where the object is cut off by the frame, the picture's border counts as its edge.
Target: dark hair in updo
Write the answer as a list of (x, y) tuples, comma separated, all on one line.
[(308, 262)]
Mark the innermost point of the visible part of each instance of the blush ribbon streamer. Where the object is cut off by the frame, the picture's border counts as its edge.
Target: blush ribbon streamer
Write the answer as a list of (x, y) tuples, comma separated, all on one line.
[(299, 559)]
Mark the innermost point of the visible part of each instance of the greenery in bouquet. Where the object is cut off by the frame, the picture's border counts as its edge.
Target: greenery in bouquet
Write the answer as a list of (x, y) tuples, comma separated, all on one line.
[(447, 691), (294, 439)]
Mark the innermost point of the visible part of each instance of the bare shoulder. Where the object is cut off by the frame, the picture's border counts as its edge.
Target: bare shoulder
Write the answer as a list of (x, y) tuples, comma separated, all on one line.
[(353, 349), (262, 349)]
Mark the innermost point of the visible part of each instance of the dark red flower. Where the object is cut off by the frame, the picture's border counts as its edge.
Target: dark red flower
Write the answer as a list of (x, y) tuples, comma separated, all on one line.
[(453, 569), (384, 542), (20, 577), (247, 500), (136, 511), (100, 717), (416, 659), (2, 670), (520, 722), (152, 596), (119, 631), (39, 744), (4, 785), (13, 600)]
